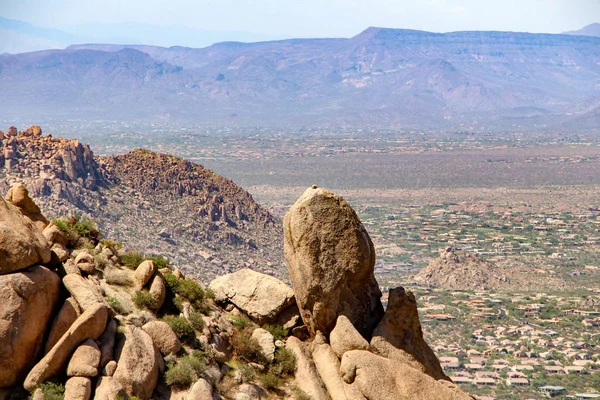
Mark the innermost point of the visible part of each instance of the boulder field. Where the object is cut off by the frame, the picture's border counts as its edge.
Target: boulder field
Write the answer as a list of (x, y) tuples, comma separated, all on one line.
[(82, 316)]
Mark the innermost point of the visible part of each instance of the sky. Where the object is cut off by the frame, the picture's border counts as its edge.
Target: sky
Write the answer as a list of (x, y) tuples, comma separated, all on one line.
[(314, 18)]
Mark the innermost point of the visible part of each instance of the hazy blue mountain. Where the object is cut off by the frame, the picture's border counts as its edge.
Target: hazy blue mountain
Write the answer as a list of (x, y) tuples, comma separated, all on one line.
[(19, 37), (380, 77), (589, 30)]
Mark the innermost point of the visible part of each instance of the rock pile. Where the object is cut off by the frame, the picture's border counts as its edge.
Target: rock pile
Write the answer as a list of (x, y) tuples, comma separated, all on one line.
[(463, 271), (101, 325)]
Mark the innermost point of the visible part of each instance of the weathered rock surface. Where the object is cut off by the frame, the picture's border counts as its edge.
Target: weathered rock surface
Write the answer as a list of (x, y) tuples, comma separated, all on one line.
[(266, 342), (331, 261), (401, 328), (158, 291), (306, 375), (202, 390), (344, 337), (260, 296), (163, 337), (19, 197), (27, 300), (379, 378), (68, 314), (107, 343), (21, 243), (85, 360), (143, 273), (78, 388), (84, 291), (137, 365), (89, 325)]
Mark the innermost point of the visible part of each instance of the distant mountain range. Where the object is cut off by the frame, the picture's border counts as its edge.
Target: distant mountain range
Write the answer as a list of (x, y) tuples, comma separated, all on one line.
[(380, 77), (589, 30)]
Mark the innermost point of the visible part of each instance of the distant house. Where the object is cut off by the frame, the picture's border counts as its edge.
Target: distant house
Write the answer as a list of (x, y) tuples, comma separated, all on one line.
[(552, 390), (517, 381)]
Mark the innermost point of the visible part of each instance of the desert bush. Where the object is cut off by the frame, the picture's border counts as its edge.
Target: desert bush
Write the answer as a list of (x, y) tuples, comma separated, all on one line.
[(241, 322), (270, 381), (132, 259), (179, 376), (116, 305), (143, 299), (190, 290), (284, 363), (196, 320), (182, 328), (300, 394), (86, 227), (247, 348), (247, 372), (160, 262), (101, 261), (53, 391), (277, 331), (62, 225)]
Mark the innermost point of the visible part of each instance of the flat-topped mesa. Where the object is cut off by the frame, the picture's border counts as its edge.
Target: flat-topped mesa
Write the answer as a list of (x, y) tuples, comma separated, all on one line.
[(331, 262)]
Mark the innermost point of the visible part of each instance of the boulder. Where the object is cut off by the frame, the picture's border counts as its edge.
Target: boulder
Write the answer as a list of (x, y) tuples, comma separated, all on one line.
[(328, 366), (54, 235), (110, 368), (143, 273), (19, 197), (379, 378), (137, 364), (306, 375), (84, 291), (331, 261), (61, 252), (78, 388), (27, 301), (344, 337), (85, 360), (266, 342), (261, 297), (108, 388), (249, 391), (401, 328), (158, 291), (163, 337), (89, 325), (202, 390), (68, 314), (107, 343), (21, 243)]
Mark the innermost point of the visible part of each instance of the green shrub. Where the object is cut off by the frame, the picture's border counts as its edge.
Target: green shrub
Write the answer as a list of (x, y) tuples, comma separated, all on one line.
[(190, 290), (195, 363), (86, 227), (284, 363), (196, 320), (247, 348), (160, 262), (182, 328), (270, 381), (277, 331), (62, 225), (241, 322), (132, 259), (300, 394), (172, 282), (116, 305), (247, 372), (53, 391), (109, 243), (179, 376), (210, 294), (143, 299)]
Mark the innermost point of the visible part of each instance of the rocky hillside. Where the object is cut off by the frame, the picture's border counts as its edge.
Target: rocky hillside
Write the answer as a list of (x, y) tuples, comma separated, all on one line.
[(159, 204), (464, 271), (81, 318)]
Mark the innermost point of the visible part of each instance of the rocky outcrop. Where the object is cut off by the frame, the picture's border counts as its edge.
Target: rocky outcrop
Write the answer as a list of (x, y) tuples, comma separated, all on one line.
[(401, 328), (137, 364), (68, 314), (379, 378), (344, 337), (306, 375), (89, 325), (163, 337), (19, 197), (27, 301), (331, 262), (260, 296), (463, 271), (22, 244)]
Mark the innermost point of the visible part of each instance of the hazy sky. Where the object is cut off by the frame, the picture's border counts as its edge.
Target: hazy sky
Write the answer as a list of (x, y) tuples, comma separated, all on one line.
[(318, 18)]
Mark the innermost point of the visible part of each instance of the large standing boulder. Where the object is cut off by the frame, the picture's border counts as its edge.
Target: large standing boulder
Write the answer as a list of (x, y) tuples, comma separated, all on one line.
[(401, 328), (344, 337), (266, 342), (143, 273), (260, 296), (306, 375), (138, 364), (85, 292), (85, 360), (67, 315), (89, 325), (379, 378), (163, 337), (21, 243), (27, 300), (331, 260), (78, 388), (19, 196)]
